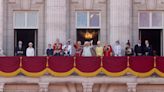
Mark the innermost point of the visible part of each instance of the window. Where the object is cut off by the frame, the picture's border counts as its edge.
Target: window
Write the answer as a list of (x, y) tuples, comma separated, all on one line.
[(20, 19), (88, 19), (94, 19), (25, 19), (144, 19), (150, 19), (156, 19), (82, 19)]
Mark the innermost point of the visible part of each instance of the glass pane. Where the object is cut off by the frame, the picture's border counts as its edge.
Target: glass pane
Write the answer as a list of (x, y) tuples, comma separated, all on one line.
[(32, 19), (144, 19), (19, 19), (81, 19), (94, 19), (157, 19)]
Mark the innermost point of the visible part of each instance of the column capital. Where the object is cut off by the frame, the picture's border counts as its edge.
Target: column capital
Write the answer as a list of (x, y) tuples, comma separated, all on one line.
[(132, 87), (43, 87), (87, 86)]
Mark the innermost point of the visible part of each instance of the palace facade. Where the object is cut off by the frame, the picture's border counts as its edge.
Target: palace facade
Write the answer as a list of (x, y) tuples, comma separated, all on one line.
[(42, 21)]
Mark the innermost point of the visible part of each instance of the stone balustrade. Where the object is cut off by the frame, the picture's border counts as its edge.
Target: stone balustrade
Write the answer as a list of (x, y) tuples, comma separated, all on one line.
[(131, 83)]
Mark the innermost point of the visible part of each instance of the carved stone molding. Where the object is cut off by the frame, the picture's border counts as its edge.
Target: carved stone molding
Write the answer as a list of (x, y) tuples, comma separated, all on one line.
[(140, 2), (150, 4), (132, 87), (43, 87), (87, 86)]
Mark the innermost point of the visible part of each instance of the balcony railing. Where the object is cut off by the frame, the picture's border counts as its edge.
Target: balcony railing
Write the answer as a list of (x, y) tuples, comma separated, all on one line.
[(82, 66)]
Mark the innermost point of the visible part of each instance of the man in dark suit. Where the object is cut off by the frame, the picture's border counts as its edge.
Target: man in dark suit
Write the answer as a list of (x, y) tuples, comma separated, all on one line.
[(20, 50), (147, 49), (138, 49)]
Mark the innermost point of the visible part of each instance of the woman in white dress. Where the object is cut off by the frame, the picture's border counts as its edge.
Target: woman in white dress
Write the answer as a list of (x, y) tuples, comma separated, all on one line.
[(87, 49), (30, 50)]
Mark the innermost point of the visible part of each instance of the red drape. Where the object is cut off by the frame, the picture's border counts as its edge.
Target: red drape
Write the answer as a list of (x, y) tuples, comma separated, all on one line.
[(61, 64), (9, 64), (34, 64), (160, 64), (114, 64), (141, 64), (88, 64)]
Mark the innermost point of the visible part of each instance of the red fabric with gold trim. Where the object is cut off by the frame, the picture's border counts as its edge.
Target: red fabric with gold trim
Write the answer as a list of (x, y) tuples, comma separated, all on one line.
[(160, 64), (61, 64), (88, 64), (9, 64), (34, 64), (141, 64), (115, 64)]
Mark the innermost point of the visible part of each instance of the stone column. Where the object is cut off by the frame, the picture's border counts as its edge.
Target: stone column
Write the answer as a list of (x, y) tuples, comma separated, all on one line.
[(120, 21), (87, 86), (43, 87), (2, 87), (1, 24), (132, 87), (56, 26)]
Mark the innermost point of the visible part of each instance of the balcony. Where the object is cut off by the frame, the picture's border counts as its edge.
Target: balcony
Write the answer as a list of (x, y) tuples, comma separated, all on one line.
[(81, 74)]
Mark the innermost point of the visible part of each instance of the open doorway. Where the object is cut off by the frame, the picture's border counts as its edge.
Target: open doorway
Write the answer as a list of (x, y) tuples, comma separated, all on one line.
[(88, 35), (26, 36), (154, 37)]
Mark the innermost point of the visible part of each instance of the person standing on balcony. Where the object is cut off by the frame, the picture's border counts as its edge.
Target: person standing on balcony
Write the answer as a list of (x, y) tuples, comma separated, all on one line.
[(67, 49), (138, 49), (20, 50), (30, 50), (108, 50), (79, 48), (147, 49), (99, 49), (1, 52), (128, 49), (87, 49), (117, 49), (57, 48), (49, 50)]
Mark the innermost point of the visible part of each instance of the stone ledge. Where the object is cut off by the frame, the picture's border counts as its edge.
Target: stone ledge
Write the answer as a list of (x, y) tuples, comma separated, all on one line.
[(78, 79)]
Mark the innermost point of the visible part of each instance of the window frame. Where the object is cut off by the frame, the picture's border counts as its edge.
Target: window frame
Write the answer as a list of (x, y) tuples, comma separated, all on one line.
[(151, 20), (88, 20), (26, 22)]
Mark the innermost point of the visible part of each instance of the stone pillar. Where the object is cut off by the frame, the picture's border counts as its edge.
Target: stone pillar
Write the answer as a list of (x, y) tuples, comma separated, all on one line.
[(87, 86), (43, 87), (2, 87), (1, 24), (120, 21), (132, 87), (55, 21)]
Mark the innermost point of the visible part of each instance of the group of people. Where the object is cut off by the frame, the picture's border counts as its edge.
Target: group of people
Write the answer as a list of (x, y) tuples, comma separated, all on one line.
[(88, 49), (80, 50), (20, 50)]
